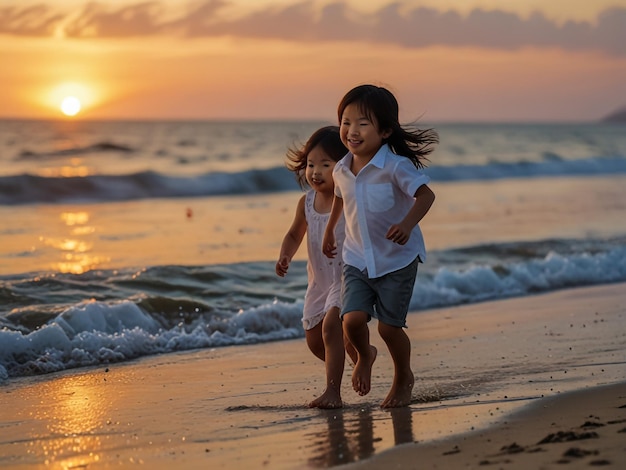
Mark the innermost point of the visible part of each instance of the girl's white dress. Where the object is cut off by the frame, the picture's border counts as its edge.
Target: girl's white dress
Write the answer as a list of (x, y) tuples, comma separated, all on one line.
[(324, 274)]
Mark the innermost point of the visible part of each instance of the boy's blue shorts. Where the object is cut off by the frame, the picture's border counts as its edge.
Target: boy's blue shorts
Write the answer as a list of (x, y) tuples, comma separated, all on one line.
[(385, 298)]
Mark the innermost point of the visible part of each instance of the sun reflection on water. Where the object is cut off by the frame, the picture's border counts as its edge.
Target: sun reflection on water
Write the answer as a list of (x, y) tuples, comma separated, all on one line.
[(83, 230), (75, 168), (75, 218), (68, 244), (79, 264), (70, 171), (77, 247)]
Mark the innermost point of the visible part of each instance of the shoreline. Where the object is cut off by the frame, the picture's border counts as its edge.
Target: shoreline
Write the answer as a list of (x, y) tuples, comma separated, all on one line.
[(476, 365)]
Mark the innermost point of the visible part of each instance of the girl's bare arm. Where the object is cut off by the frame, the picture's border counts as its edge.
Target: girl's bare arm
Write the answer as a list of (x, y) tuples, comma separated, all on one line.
[(292, 240)]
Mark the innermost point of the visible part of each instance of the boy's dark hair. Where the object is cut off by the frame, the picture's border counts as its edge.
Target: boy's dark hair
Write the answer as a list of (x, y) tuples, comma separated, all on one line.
[(330, 142), (379, 105)]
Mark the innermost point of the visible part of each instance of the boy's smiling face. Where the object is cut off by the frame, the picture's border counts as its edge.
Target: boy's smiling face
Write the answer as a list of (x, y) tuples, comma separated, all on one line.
[(359, 134)]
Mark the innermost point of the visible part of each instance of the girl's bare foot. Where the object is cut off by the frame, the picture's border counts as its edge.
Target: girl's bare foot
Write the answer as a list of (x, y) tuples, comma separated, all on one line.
[(330, 399), (362, 373), (400, 393)]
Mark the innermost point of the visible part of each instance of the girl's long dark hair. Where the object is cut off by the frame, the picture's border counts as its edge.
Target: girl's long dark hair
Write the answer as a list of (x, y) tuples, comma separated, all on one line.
[(379, 105), (330, 142)]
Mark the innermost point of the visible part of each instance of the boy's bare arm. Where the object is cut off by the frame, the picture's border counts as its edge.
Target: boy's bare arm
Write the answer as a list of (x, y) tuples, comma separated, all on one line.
[(401, 232), (329, 244)]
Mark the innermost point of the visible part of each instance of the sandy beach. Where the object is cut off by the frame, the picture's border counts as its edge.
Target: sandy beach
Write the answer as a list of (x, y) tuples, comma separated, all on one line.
[(493, 380), (575, 430)]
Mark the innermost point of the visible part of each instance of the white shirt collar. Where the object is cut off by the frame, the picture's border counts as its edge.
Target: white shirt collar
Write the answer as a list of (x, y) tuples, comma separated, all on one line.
[(378, 160)]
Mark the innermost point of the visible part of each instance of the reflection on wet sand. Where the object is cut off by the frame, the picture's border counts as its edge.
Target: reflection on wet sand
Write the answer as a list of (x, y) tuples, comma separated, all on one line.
[(73, 418), (351, 436)]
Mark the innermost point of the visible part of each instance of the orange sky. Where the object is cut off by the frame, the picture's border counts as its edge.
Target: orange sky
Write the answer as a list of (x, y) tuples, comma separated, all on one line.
[(209, 59)]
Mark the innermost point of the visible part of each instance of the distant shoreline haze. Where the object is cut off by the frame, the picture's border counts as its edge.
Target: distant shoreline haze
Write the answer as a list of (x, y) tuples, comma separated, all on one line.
[(617, 116)]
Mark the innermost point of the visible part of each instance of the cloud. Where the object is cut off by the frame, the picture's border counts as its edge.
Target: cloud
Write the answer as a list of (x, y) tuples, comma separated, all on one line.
[(500, 30), (304, 21), (141, 19), (36, 20)]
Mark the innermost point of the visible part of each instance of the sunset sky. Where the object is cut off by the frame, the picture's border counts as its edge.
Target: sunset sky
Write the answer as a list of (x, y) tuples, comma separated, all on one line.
[(446, 60)]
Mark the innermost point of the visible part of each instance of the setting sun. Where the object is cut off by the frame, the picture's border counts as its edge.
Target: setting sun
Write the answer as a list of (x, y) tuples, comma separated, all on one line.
[(70, 106), (71, 98)]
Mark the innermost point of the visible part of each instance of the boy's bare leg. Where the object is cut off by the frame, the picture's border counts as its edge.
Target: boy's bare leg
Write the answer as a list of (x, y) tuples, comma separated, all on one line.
[(352, 354), (399, 347), (335, 361), (357, 331)]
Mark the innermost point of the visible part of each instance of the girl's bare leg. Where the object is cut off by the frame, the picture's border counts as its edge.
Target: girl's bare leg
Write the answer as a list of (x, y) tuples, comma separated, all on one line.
[(315, 341), (357, 331), (399, 347), (335, 361)]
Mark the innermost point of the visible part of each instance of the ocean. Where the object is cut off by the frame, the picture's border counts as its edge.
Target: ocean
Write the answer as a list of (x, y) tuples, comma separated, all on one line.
[(126, 239)]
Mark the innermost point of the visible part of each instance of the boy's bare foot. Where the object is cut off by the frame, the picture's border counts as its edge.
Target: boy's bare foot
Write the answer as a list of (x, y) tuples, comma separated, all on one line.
[(400, 393), (362, 373), (330, 399)]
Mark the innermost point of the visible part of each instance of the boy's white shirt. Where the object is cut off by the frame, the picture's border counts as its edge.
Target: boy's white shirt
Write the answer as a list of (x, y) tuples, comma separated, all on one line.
[(379, 196)]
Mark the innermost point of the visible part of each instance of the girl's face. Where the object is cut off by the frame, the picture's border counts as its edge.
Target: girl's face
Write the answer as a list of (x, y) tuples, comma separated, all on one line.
[(360, 135), (319, 170)]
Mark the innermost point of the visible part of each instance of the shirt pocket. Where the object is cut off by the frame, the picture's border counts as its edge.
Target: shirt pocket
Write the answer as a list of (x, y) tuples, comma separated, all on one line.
[(379, 197)]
